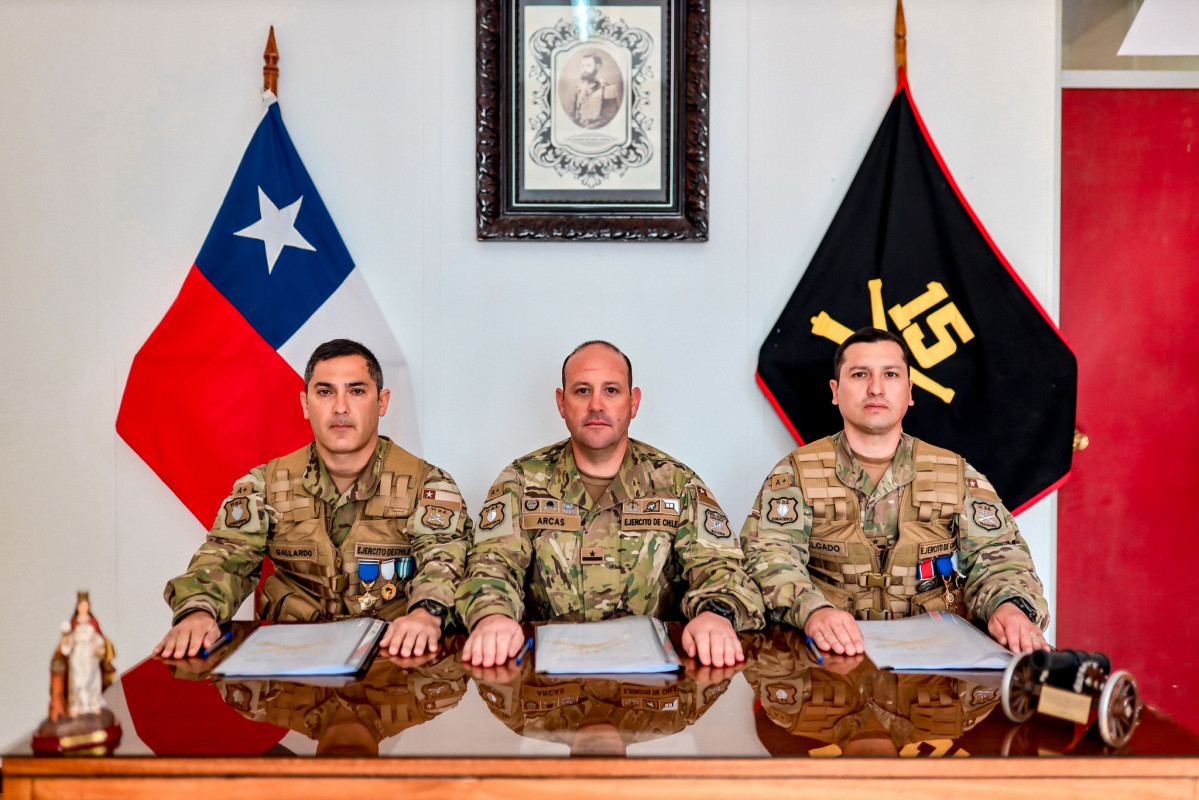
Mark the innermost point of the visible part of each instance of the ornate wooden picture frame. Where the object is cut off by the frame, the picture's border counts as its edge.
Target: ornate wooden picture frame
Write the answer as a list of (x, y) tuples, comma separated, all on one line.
[(592, 120)]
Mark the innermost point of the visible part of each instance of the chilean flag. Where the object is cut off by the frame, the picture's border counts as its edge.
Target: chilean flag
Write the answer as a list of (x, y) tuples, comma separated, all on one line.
[(215, 389)]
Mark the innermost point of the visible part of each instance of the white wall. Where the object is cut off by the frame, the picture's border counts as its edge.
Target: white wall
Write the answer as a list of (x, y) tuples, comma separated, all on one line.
[(122, 122)]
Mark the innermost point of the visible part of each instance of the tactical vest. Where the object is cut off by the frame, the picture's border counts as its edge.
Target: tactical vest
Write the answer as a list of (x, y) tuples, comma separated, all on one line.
[(314, 580), (844, 564)]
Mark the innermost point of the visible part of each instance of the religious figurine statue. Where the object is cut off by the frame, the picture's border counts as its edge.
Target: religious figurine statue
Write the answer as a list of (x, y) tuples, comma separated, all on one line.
[(80, 670)]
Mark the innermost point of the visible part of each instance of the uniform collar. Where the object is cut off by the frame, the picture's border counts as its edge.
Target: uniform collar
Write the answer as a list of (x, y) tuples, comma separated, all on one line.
[(901, 472), (630, 480), (318, 482)]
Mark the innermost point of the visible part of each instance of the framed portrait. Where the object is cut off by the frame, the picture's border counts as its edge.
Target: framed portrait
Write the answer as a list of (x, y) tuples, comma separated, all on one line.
[(592, 120)]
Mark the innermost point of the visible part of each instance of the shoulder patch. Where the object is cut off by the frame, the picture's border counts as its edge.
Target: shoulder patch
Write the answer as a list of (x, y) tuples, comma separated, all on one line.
[(237, 511), (496, 519), (715, 522), (437, 518), (441, 497), (986, 516), (782, 510), (706, 497), (495, 491), (982, 489), (491, 515), (784, 480)]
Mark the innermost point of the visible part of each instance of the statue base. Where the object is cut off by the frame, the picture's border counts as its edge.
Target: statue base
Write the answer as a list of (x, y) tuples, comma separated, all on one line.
[(87, 734)]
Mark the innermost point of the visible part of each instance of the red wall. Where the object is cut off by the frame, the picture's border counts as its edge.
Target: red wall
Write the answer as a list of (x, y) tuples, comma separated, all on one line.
[(1128, 520)]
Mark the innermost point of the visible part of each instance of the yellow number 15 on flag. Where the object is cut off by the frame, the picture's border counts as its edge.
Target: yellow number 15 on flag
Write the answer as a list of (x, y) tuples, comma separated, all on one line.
[(939, 323)]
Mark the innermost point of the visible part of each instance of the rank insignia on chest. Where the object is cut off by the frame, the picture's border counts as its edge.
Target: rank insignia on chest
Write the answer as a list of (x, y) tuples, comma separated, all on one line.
[(592, 555), (986, 516), (716, 524), (782, 511), (436, 518), (237, 512)]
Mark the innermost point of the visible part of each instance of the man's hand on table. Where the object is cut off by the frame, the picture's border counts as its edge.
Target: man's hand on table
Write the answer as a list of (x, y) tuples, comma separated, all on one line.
[(1012, 628), (711, 638), (413, 634), (495, 639), (836, 631), (196, 632)]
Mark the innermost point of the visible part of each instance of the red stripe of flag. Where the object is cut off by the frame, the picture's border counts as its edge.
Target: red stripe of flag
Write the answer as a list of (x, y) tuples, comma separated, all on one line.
[(206, 389)]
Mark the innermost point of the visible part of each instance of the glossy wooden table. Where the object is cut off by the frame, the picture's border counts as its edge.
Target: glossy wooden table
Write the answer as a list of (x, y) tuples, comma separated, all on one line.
[(431, 729)]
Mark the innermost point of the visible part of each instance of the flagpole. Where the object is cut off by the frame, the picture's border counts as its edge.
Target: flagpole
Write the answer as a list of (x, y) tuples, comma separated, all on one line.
[(901, 43), (270, 70)]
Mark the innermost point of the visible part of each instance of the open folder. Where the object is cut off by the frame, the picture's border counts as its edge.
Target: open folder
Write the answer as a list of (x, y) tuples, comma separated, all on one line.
[(305, 649), (613, 647), (936, 641)]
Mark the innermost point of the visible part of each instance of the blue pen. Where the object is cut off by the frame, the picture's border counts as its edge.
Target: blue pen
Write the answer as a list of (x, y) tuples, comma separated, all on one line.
[(524, 650), (815, 651), (226, 637)]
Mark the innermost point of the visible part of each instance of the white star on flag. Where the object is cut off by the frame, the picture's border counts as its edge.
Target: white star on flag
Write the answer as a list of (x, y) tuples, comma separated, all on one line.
[(276, 228)]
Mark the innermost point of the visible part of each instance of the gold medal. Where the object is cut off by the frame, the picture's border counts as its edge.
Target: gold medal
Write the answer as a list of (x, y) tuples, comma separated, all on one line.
[(366, 600), (949, 596), (388, 591)]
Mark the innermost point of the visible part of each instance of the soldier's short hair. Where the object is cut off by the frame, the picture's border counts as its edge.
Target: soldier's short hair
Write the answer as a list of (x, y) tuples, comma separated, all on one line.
[(338, 348), (870, 335), (628, 364)]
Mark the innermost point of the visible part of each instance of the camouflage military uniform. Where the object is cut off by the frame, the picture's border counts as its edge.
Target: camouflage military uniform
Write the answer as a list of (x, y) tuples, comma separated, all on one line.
[(655, 538), (420, 519), (991, 554), (554, 709)]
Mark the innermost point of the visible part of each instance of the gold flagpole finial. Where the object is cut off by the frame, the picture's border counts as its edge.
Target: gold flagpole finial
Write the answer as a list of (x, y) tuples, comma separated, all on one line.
[(270, 70), (901, 42)]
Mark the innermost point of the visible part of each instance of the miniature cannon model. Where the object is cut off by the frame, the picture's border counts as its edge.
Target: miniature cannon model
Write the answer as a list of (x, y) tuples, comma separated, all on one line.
[(1065, 684)]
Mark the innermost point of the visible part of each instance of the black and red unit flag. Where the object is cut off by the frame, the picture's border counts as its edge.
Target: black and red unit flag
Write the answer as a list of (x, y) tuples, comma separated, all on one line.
[(994, 379)]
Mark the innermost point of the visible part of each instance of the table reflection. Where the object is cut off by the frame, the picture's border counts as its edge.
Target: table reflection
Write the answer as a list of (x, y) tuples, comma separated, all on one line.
[(846, 707), (788, 705), (599, 715), (353, 718)]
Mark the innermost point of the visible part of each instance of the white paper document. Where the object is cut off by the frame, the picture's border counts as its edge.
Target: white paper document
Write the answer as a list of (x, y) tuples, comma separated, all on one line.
[(933, 641), (614, 647), (311, 648)]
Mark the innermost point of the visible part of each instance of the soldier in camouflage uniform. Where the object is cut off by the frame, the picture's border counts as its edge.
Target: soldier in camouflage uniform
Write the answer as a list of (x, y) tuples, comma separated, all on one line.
[(601, 526), (354, 524), (874, 524)]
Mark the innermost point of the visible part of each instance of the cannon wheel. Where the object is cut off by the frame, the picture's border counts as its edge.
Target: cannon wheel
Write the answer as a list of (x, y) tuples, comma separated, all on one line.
[(1019, 688), (1119, 709)]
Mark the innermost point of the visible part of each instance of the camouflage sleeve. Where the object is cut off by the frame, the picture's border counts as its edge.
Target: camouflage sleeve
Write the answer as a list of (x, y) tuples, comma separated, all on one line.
[(499, 557), (775, 538), (710, 558), (225, 569), (993, 555), (440, 531)]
